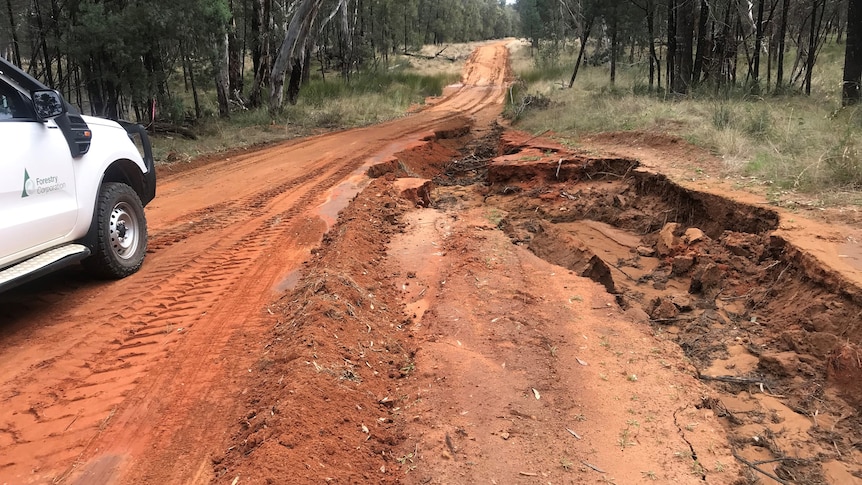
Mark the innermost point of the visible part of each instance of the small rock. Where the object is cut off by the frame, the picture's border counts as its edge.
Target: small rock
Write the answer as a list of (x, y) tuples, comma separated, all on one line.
[(821, 343), (712, 317), (620, 201), (667, 239), (504, 435), (683, 302), (781, 364), (645, 251), (665, 310), (706, 278), (712, 276), (637, 314), (682, 264), (693, 235), (741, 244)]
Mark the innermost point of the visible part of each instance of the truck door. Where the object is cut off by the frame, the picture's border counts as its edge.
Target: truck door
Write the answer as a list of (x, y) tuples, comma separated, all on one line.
[(37, 185)]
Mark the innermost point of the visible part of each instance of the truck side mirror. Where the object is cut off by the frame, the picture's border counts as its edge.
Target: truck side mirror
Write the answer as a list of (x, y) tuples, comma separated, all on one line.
[(48, 104)]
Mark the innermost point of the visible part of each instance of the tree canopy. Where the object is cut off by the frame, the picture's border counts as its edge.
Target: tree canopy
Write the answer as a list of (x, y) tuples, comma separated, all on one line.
[(766, 45), (137, 58)]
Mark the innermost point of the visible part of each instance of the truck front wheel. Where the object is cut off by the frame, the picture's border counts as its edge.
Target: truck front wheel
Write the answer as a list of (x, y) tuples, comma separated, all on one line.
[(120, 232)]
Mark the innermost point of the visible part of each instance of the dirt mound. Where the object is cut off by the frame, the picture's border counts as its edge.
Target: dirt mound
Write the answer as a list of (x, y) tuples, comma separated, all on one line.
[(340, 336)]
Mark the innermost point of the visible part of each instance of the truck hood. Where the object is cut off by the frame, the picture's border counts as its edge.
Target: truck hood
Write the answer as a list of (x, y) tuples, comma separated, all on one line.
[(92, 120)]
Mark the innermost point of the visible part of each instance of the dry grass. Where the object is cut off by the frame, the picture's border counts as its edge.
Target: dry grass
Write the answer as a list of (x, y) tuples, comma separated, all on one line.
[(790, 142), (323, 105)]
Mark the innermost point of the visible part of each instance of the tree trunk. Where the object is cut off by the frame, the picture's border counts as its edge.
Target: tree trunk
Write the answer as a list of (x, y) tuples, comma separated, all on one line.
[(684, 47), (187, 67), (782, 34), (16, 49), (584, 37), (653, 57), (292, 53), (853, 55), (261, 51), (671, 43), (49, 76), (701, 42), (812, 47), (614, 48), (295, 81), (222, 69), (235, 80), (758, 43)]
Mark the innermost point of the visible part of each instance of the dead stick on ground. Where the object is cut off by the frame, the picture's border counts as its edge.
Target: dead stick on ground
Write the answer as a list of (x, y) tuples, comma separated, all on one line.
[(730, 379), (671, 320), (450, 445), (784, 458), (623, 272), (79, 414), (754, 467), (593, 467)]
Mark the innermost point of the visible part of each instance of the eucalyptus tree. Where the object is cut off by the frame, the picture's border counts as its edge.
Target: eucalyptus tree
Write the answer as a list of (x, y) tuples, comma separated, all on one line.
[(850, 94)]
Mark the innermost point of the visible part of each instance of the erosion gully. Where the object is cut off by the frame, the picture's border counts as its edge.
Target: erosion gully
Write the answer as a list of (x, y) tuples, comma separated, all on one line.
[(771, 331)]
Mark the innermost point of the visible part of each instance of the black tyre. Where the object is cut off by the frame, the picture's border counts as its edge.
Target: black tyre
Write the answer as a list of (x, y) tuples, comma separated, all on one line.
[(120, 232)]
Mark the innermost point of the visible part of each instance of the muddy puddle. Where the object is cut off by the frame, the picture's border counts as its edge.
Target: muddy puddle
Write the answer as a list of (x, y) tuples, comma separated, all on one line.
[(774, 334)]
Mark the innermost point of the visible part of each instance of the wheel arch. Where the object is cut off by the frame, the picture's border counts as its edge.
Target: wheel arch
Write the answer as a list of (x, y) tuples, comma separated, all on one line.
[(126, 172)]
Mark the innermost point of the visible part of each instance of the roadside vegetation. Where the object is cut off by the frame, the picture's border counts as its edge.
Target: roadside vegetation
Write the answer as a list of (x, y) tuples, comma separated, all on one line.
[(784, 141), (770, 86), (327, 104)]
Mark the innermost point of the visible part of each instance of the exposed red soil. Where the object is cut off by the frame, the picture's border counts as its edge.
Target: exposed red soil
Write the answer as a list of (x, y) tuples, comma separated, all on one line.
[(532, 315)]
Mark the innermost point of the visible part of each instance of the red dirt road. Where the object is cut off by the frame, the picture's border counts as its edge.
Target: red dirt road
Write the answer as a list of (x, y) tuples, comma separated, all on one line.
[(126, 382)]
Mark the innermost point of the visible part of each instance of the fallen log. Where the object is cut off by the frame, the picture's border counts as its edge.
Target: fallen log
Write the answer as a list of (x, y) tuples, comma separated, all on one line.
[(171, 129)]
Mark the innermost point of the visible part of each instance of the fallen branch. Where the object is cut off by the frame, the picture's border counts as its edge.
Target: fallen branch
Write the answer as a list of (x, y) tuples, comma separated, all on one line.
[(621, 271), (435, 56), (730, 379), (590, 465), (169, 128), (755, 467), (672, 320)]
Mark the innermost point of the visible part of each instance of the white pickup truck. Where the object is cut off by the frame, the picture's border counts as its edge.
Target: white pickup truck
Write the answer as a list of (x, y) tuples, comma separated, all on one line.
[(72, 188)]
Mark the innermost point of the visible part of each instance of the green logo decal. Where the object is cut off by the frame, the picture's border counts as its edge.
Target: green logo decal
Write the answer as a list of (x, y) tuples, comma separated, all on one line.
[(41, 185), (29, 184)]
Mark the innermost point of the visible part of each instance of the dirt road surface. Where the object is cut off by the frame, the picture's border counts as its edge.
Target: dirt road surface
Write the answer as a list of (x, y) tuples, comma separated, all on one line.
[(435, 300)]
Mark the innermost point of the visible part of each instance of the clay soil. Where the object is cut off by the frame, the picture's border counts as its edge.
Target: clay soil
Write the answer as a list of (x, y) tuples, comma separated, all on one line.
[(442, 299)]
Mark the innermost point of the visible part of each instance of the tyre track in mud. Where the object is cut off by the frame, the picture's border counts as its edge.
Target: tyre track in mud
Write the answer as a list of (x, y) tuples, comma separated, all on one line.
[(78, 403), (173, 299)]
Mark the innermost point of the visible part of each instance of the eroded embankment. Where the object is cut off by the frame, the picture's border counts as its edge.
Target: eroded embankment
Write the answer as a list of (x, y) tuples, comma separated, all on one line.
[(766, 324), (769, 326)]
